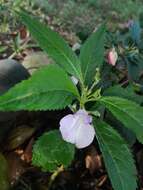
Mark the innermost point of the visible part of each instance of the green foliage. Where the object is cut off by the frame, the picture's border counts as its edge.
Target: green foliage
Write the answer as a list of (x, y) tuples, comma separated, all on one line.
[(53, 44), (92, 54), (50, 151), (51, 88), (117, 157), (135, 31), (126, 111), (124, 9), (126, 93), (48, 88)]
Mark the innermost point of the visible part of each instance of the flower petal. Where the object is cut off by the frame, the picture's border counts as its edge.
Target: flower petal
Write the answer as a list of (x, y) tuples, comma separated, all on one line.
[(112, 57), (68, 128), (66, 120), (84, 136), (87, 119), (75, 128)]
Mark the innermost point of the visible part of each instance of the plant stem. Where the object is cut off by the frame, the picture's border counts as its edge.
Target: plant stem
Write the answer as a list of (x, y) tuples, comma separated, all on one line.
[(54, 175), (93, 85)]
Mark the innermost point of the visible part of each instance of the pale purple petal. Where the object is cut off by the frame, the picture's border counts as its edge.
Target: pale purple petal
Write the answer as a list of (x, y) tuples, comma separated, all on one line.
[(86, 118), (68, 119), (68, 128), (84, 136), (76, 129)]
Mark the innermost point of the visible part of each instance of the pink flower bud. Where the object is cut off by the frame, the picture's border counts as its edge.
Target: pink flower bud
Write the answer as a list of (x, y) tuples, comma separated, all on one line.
[(112, 57), (77, 129)]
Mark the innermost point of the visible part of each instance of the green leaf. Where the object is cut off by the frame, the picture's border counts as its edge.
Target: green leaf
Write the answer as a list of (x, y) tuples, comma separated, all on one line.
[(48, 88), (92, 54), (117, 157), (126, 93), (126, 111), (126, 133), (51, 151), (135, 31), (53, 44)]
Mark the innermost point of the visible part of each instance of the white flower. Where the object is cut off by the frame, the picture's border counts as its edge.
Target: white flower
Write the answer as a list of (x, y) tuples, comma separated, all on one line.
[(77, 129)]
